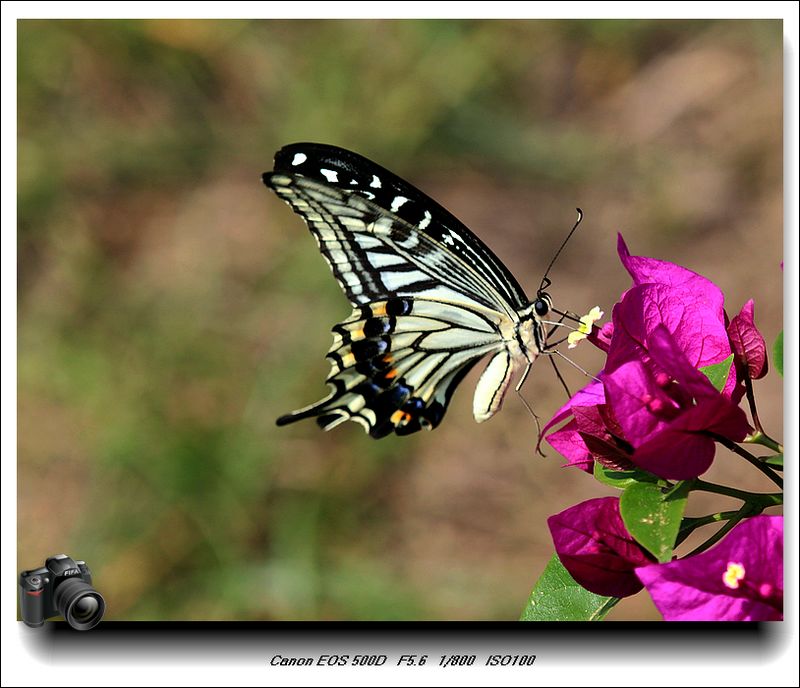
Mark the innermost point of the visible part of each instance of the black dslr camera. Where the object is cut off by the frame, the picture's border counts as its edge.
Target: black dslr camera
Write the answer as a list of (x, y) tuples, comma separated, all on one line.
[(62, 587)]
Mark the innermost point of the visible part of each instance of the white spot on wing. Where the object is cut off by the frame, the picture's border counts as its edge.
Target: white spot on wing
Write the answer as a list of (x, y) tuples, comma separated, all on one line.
[(425, 221), (330, 175), (375, 183), (397, 202), (410, 242), (299, 158)]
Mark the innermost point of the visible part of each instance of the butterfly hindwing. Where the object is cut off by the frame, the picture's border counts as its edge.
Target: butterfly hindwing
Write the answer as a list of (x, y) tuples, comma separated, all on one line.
[(396, 363)]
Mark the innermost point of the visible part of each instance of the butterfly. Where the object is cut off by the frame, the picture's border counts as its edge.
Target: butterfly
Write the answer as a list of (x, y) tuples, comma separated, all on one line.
[(429, 298)]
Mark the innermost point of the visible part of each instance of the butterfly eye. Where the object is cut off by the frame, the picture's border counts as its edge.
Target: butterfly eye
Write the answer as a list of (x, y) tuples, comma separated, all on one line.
[(541, 307)]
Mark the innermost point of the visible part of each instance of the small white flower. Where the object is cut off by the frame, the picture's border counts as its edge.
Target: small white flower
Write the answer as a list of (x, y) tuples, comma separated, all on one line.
[(584, 328)]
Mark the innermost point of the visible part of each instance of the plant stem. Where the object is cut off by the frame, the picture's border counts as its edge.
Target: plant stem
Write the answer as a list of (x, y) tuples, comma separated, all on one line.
[(765, 441), (696, 522), (722, 532), (689, 525), (752, 498), (751, 400), (759, 436), (600, 614), (754, 460)]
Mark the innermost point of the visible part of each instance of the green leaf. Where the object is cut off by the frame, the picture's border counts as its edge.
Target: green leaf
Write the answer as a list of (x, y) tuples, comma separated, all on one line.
[(557, 597), (652, 517), (775, 461), (621, 479), (718, 373), (777, 353)]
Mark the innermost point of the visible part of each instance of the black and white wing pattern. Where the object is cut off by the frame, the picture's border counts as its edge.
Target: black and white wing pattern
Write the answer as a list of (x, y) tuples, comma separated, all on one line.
[(429, 298)]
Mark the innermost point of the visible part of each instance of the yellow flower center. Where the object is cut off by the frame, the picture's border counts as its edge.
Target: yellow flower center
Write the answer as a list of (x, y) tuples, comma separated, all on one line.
[(733, 574)]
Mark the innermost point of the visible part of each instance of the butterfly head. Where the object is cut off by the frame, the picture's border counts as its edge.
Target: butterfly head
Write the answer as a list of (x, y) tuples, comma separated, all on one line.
[(531, 329), (543, 304)]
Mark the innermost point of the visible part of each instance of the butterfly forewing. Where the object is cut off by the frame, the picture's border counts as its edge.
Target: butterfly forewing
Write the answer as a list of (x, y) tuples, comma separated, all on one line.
[(339, 168), (373, 253), (429, 299)]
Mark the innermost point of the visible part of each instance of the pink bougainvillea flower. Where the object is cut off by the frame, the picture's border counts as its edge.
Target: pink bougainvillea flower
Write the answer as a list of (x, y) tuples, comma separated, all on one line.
[(668, 416), (662, 422), (651, 406), (748, 343), (593, 433), (739, 579), (646, 270), (687, 304), (567, 441), (588, 437), (595, 547)]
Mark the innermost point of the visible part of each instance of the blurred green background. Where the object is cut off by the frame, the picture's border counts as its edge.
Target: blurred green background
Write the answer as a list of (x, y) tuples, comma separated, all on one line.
[(170, 307)]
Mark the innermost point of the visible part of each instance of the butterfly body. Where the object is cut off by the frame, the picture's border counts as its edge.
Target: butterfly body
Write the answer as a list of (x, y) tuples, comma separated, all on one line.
[(429, 298)]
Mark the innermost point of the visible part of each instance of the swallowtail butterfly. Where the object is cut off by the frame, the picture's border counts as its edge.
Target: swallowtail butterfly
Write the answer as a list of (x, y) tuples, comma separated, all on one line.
[(429, 298)]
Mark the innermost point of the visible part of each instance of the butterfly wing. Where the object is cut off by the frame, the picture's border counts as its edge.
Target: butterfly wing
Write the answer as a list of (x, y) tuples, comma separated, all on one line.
[(395, 364), (428, 299), (337, 168)]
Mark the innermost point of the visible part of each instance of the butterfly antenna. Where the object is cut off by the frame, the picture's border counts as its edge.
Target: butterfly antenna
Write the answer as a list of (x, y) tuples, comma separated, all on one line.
[(565, 314), (561, 248)]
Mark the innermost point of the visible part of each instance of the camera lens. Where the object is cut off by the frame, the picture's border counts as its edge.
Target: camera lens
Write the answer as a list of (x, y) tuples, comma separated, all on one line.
[(85, 608), (79, 603)]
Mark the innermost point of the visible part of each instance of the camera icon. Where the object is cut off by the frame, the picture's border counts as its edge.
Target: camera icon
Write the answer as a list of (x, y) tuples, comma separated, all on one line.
[(62, 587)]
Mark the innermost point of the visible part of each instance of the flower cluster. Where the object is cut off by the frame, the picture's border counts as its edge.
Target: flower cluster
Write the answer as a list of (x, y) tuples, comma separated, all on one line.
[(652, 407), (676, 369)]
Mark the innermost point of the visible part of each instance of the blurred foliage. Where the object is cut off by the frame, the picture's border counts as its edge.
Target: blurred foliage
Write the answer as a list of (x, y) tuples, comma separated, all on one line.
[(170, 308)]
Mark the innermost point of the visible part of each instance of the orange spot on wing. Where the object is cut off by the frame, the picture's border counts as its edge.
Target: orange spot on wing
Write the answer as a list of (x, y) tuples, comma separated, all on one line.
[(379, 309), (400, 417)]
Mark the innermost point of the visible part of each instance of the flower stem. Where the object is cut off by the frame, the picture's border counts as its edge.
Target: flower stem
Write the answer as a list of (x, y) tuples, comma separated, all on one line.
[(754, 503), (722, 532), (753, 498), (607, 606), (689, 525), (754, 460), (759, 436), (751, 400)]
